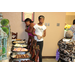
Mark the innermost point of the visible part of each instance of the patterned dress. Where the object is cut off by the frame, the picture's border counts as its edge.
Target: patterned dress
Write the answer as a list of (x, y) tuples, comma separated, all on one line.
[(73, 30)]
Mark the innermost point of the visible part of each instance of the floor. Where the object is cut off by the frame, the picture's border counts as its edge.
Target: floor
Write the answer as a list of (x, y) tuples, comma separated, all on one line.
[(49, 60)]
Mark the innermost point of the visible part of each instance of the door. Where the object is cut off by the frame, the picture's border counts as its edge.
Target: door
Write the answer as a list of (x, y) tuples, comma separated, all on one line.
[(53, 33)]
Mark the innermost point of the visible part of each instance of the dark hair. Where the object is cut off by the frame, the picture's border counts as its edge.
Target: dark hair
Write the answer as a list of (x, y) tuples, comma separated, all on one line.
[(41, 16), (28, 19), (74, 21)]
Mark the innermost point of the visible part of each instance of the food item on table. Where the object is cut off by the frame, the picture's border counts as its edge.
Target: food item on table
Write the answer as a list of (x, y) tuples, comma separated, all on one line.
[(22, 61), (16, 56), (29, 61), (19, 45), (24, 49), (25, 61), (24, 55), (21, 56), (19, 42), (27, 56), (20, 49)]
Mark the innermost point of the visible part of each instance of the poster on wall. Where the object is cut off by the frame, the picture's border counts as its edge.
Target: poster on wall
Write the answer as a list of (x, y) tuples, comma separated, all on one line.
[(27, 15)]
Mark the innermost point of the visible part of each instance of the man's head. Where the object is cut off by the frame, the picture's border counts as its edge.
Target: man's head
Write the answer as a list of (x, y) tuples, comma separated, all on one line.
[(41, 19), (73, 21), (28, 21)]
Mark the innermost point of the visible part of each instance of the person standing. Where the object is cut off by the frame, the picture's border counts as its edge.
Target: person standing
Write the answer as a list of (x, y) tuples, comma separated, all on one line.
[(73, 29), (39, 31), (29, 27)]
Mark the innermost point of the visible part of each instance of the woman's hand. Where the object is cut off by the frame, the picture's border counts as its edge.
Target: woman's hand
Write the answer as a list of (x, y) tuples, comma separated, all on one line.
[(39, 37)]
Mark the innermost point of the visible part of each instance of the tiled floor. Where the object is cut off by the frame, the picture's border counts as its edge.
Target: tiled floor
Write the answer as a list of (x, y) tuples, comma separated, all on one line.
[(49, 60)]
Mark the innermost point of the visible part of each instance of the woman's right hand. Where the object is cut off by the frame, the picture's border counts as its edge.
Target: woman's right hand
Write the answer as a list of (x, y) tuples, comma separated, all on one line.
[(39, 37)]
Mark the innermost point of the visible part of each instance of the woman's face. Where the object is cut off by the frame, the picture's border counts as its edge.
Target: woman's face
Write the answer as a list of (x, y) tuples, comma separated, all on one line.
[(41, 20), (27, 23)]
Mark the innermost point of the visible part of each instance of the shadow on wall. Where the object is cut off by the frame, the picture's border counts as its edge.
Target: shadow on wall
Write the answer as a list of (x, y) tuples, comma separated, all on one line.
[(23, 34)]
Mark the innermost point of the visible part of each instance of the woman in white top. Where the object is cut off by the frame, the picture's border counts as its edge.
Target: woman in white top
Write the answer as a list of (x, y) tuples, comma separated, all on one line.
[(39, 31)]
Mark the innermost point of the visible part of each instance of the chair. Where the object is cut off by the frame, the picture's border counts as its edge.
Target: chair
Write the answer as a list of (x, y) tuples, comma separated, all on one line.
[(14, 35)]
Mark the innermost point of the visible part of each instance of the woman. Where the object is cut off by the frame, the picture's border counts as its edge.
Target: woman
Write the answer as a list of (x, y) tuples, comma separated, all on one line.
[(29, 27), (65, 48), (40, 32), (73, 29)]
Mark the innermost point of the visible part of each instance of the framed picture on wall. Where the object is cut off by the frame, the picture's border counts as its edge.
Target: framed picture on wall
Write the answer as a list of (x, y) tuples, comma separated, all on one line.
[(27, 15)]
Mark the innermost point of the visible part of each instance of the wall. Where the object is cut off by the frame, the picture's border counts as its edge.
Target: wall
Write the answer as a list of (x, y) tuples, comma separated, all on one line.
[(70, 13), (16, 23), (54, 33), (70, 16)]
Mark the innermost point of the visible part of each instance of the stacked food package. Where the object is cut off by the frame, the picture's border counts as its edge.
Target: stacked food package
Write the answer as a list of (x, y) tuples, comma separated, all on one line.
[(19, 51)]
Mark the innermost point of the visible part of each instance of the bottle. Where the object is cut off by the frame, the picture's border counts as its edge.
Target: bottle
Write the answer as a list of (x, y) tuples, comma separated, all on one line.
[(65, 31)]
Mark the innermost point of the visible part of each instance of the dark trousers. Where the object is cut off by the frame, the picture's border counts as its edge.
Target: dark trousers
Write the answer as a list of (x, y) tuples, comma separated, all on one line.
[(40, 43)]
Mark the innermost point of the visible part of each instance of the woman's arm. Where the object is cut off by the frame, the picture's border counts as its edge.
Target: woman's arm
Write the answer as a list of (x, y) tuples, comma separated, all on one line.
[(33, 32), (27, 30), (30, 29), (44, 34), (39, 37)]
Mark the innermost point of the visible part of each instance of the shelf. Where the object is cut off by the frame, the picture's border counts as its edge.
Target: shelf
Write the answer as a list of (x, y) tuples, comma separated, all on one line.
[(19, 47), (20, 58), (13, 45), (17, 43), (12, 58), (20, 51)]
